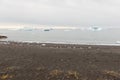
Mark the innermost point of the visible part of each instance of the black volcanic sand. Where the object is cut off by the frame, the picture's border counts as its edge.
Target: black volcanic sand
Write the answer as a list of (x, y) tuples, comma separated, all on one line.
[(32, 61)]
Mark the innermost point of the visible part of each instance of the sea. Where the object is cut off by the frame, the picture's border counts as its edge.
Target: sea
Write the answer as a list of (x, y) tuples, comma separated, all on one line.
[(76, 35)]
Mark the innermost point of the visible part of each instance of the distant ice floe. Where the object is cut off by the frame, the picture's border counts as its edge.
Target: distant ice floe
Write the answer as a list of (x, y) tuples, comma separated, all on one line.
[(44, 28), (27, 29), (49, 28)]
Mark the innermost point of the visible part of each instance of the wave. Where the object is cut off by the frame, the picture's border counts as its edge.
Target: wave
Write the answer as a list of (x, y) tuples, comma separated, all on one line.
[(61, 42)]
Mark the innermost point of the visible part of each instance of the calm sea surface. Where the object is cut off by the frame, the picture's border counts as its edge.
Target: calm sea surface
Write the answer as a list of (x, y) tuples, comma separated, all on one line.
[(77, 36)]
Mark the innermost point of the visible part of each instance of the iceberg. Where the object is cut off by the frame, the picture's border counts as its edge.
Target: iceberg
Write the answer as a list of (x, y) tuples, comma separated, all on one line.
[(95, 28)]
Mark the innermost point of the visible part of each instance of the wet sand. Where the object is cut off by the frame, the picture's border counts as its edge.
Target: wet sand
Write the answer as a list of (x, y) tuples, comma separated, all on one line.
[(33, 61)]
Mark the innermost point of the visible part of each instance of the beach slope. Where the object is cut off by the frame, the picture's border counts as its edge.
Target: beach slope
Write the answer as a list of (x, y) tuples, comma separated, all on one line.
[(32, 61)]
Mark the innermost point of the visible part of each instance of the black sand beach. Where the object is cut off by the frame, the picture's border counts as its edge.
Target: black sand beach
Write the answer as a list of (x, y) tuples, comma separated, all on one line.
[(32, 61)]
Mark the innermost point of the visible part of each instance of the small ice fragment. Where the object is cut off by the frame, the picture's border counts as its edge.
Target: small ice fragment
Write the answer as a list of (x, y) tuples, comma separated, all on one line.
[(43, 44)]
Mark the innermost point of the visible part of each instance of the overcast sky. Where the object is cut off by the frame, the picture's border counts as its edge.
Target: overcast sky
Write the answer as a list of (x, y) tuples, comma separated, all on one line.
[(61, 12)]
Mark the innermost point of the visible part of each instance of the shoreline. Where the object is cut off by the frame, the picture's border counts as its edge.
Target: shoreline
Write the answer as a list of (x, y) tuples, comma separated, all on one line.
[(57, 43)]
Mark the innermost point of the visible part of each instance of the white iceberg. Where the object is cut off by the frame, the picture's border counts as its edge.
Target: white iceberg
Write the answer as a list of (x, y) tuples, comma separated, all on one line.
[(95, 28)]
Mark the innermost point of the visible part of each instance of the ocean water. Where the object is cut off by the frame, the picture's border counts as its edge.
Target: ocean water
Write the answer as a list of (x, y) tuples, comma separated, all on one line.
[(68, 36)]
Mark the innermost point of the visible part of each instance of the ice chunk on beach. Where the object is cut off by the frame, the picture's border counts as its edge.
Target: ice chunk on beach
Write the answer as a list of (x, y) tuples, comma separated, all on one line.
[(43, 44)]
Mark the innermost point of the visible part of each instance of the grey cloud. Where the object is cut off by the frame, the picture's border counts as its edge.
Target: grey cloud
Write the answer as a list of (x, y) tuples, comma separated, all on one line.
[(61, 12)]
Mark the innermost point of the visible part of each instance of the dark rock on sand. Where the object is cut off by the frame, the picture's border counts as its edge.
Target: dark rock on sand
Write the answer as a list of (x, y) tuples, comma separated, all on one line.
[(3, 37)]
